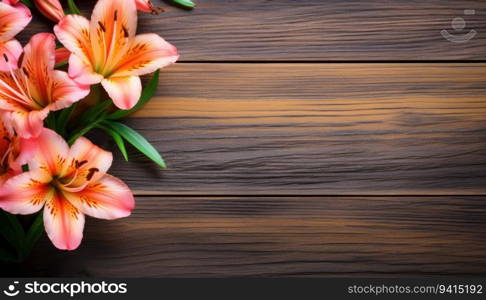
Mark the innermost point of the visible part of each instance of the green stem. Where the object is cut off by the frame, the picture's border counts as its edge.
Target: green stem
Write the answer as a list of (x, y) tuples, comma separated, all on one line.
[(27, 3), (51, 121), (63, 118), (73, 8), (85, 129)]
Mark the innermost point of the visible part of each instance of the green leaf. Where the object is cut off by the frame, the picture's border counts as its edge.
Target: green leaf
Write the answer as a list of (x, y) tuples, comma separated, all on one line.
[(90, 119), (51, 121), (27, 3), (85, 130), (147, 94), (137, 141), (63, 118), (185, 3), (61, 64), (94, 112), (117, 138), (34, 233), (73, 8)]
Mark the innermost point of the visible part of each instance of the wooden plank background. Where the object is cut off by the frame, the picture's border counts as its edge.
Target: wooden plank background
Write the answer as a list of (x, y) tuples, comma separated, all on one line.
[(314, 129), (235, 30), (280, 236), (302, 141), (321, 30)]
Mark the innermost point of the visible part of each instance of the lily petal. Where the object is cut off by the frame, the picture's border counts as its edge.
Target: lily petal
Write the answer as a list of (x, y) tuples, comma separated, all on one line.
[(38, 62), (13, 19), (25, 193), (108, 198), (27, 124), (95, 157), (63, 222), (66, 91), (27, 148), (52, 152), (87, 162), (12, 49), (82, 72), (124, 91), (113, 24), (147, 53), (73, 32)]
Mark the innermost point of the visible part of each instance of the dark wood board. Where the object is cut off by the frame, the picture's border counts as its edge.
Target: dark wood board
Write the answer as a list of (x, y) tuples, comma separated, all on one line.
[(315, 129), (279, 236), (283, 163), (262, 30)]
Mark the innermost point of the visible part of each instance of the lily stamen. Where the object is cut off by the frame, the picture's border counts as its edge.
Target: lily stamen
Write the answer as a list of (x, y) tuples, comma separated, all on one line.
[(21, 98), (19, 86)]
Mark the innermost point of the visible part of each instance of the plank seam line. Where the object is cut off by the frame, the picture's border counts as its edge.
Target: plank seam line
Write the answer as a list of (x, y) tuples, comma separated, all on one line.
[(331, 61), (304, 196)]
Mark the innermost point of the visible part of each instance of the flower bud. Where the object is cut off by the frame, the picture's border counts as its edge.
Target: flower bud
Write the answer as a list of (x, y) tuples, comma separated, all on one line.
[(62, 56), (147, 6), (51, 9), (11, 2)]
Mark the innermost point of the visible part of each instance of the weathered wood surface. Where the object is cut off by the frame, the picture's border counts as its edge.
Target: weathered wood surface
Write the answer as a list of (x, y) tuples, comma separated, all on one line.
[(315, 129), (220, 30), (279, 236), (229, 129)]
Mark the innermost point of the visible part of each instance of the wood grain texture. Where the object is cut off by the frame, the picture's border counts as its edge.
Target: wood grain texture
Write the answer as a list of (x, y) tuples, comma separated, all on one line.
[(221, 30), (284, 236), (301, 129), (328, 129), (321, 30)]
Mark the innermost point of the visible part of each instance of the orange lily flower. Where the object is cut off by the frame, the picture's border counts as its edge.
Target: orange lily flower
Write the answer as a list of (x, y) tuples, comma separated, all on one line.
[(68, 183), (28, 94), (14, 153), (106, 50), (13, 19)]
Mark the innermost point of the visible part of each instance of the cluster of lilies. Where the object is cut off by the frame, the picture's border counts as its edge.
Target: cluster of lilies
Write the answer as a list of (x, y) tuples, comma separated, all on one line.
[(39, 169)]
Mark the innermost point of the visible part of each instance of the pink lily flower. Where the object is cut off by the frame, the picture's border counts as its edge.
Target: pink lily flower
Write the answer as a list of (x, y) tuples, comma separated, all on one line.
[(51, 9), (68, 183), (28, 94), (106, 50), (14, 17), (14, 153)]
